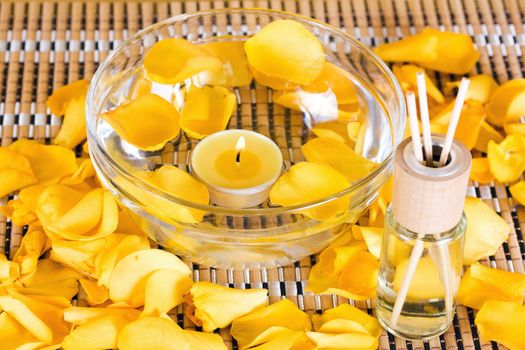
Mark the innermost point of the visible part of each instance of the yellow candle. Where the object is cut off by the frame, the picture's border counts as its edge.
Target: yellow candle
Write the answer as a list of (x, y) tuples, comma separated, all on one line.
[(238, 166)]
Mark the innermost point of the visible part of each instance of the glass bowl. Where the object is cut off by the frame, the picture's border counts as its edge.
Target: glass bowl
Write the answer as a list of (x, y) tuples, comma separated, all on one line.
[(266, 235)]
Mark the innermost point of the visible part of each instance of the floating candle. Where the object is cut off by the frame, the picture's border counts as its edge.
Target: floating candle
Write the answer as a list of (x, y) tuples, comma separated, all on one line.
[(238, 166)]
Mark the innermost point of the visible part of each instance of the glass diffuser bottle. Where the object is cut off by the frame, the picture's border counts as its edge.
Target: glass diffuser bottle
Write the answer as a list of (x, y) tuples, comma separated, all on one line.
[(422, 250)]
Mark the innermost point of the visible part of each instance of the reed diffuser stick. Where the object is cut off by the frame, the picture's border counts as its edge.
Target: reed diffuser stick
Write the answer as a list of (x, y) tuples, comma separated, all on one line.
[(425, 120)]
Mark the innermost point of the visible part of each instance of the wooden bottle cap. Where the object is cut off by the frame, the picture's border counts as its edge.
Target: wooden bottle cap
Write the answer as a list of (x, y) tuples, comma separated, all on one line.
[(429, 200)]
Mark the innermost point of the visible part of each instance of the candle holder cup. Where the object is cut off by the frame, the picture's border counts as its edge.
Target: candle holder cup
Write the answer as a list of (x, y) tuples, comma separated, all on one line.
[(266, 235)]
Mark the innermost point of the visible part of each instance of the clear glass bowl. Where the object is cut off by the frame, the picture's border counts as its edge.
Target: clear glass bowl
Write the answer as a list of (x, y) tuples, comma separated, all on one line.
[(266, 235)]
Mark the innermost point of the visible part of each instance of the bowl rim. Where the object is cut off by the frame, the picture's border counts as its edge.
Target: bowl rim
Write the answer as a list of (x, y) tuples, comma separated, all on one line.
[(383, 166)]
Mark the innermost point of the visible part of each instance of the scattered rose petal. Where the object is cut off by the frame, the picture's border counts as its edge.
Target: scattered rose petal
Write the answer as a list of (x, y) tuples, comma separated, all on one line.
[(213, 306), (164, 290), (502, 322), (507, 159), (407, 76), (480, 88), (283, 313), (518, 192), (147, 122), (486, 231), (288, 190), (285, 49), (481, 283), (480, 171), (95, 294), (348, 312), (61, 97), (446, 52), (73, 128), (344, 341), (15, 171), (507, 103), (486, 134)]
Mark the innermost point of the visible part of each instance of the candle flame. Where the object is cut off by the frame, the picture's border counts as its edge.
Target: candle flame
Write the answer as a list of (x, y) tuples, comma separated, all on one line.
[(239, 147), (241, 144)]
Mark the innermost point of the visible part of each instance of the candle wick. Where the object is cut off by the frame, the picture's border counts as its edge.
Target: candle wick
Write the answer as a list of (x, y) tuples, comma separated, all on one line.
[(238, 158)]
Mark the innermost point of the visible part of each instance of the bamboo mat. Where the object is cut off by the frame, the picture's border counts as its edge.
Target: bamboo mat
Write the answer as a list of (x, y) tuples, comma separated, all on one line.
[(44, 45)]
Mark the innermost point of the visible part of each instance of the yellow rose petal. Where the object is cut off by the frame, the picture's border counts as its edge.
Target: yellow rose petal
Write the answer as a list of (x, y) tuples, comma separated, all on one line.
[(507, 159), (336, 80), (373, 237), (287, 339), (407, 76), (480, 171), (9, 271), (285, 49), (507, 103), (18, 213), (234, 61), (204, 341), (338, 326), (442, 51), (359, 277), (95, 294), (15, 171), (49, 163), (73, 129), (171, 61), (206, 110), (272, 82), (33, 245), (349, 312), (424, 284), (486, 134), (95, 215), (514, 128), (164, 290), (486, 231), (129, 278), (12, 334), (152, 333), (335, 130), (288, 189), (283, 313), (79, 255), (502, 322), (84, 171), (518, 192), (116, 247), (214, 306), (481, 283), (346, 341), (339, 156), (147, 122), (82, 315), (98, 333), (180, 184), (481, 87), (61, 97)]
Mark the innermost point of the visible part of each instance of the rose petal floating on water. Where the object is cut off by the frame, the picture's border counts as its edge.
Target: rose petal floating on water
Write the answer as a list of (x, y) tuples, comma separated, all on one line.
[(116, 247), (337, 81), (130, 276), (164, 290), (177, 183), (486, 231), (481, 283), (518, 192), (172, 61), (442, 51), (480, 88), (15, 171), (99, 333), (339, 156), (407, 76), (73, 129), (206, 110), (283, 313), (469, 125), (486, 134), (507, 159), (235, 63), (147, 122), (70, 214), (213, 306), (337, 131), (480, 171), (285, 49), (288, 190), (424, 284), (49, 163), (348, 312), (346, 341), (62, 96), (507, 103), (502, 322)]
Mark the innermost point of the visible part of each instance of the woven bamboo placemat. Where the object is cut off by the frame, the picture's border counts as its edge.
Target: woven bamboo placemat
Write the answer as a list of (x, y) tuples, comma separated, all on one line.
[(44, 45)]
